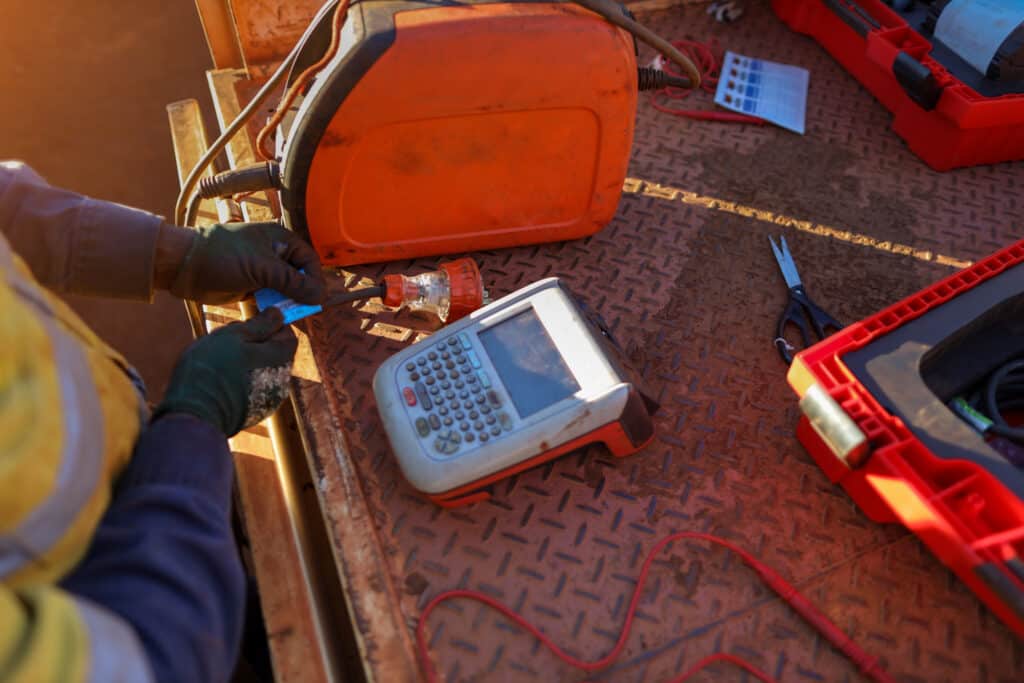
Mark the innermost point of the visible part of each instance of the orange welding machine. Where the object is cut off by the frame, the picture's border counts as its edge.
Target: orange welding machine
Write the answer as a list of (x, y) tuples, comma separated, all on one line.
[(435, 128)]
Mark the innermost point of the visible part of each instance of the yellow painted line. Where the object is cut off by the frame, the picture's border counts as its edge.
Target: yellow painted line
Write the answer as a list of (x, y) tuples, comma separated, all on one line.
[(638, 186)]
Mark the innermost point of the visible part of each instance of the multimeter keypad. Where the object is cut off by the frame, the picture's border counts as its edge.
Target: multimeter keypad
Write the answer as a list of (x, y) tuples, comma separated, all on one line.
[(451, 397)]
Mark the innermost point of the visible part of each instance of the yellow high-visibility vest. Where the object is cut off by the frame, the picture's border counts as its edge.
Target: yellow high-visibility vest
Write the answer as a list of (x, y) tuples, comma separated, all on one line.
[(69, 419)]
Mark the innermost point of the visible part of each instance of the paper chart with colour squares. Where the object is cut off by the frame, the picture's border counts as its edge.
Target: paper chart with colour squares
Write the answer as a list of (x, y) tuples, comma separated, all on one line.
[(774, 92)]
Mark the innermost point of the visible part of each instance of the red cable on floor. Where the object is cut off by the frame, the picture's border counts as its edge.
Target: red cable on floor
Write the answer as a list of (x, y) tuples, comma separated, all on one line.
[(867, 664), (705, 56)]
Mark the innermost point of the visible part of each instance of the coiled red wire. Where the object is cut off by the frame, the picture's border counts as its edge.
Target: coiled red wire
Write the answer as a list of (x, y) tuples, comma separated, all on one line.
[(707, 57), (867, 664)]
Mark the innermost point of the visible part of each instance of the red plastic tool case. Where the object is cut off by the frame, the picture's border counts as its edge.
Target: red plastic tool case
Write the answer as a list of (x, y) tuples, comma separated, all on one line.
[(963, 129), (967, 517)]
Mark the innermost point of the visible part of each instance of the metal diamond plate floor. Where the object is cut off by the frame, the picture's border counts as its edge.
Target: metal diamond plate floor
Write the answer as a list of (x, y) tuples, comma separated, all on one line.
[(686, 278)]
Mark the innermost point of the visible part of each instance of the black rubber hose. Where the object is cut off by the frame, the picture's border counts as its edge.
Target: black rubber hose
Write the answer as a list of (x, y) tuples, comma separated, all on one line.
[(992, 407), (1011, 404), (355, 295), (612, 12), (649, 78), (192, 210), (194, 310), (254, 178)]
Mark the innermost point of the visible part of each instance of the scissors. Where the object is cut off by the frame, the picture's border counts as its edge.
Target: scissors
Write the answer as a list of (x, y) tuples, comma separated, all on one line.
[(800, 312)]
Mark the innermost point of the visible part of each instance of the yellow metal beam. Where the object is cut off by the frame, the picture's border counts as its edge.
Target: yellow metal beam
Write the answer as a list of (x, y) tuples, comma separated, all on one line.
[(221, 33)]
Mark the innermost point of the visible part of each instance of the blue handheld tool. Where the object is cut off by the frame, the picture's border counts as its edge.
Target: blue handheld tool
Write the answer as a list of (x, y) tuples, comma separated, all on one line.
[(293, 311)]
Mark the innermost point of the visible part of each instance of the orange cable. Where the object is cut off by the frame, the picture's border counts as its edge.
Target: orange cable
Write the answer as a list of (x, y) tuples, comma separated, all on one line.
[(302, 81)]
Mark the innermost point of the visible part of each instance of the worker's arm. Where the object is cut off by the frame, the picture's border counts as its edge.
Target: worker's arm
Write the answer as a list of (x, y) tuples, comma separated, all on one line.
[(76, 244), (164, 558), (160, 594), (81, 245)]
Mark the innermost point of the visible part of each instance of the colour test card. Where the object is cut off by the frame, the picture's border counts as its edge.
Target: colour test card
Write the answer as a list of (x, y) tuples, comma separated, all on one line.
[(774, 92)]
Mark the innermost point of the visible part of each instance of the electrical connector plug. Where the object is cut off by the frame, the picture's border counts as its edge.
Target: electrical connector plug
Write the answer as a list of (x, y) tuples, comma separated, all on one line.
[(452, 292)]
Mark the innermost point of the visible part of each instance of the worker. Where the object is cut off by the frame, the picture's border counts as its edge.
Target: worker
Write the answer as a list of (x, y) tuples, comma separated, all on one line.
[(117, 560)]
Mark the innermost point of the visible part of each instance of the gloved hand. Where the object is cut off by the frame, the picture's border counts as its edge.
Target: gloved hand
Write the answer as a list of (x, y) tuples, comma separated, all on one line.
[(225, 263), (235, 376)]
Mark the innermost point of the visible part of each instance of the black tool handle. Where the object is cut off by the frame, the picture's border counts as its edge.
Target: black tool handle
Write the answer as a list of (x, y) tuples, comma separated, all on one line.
[(823, 323), (806, 316), (793, 315), (855, 17), (917, 80)]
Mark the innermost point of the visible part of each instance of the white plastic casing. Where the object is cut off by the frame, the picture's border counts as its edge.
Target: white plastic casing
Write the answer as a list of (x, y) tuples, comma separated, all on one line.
[(599, 401)]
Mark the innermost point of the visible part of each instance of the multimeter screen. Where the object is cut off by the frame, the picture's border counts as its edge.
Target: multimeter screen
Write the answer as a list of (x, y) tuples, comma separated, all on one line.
[(529, 364)]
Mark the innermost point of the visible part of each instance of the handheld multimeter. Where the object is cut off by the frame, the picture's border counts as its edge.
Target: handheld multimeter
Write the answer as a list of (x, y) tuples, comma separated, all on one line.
[(523, 380)]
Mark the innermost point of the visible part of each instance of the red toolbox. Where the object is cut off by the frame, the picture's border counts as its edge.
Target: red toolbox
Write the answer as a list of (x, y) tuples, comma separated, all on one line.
[(875, 418), (949, 113)]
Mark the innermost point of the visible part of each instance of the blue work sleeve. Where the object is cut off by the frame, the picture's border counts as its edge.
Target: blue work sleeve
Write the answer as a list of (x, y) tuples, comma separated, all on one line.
[(164, 557)]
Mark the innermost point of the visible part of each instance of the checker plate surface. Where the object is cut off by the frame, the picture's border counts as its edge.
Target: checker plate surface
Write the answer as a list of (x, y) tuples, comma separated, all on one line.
[(689, 285)]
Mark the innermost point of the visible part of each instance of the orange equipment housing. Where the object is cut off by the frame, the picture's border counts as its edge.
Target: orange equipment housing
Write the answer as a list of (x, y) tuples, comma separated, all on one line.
[(440, 129)]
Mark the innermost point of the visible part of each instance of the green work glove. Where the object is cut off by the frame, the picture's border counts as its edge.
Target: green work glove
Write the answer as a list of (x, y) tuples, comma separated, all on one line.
[(228, 262), (235, 376)]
